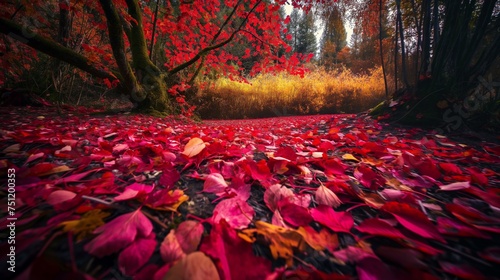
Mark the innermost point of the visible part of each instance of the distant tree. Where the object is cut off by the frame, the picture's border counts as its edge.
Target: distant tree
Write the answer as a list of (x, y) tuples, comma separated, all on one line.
[(306, 37), (334, 35)]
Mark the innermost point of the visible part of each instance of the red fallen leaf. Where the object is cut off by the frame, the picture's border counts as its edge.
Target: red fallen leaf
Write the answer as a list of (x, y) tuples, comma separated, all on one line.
[(295, 215), (493, 149), (469, 214), (450, 227), (169, 177), (371, 268), (136, 255), (259, 171), (235, 211), (463, 271), (455, 186), (376, 226), (333, 166), (325, 196), (353, 254), (286, 152), (412, 259), (170, 249), (215, 183), (188, 235), (60, 196), (477, 177), (119, 233), (195, 266), (147, 272), (368, 178), (491, 254), (450, 168), (232, 255), (134, 190), (491, 196), (194, 147), (413, 219), (336, 221)]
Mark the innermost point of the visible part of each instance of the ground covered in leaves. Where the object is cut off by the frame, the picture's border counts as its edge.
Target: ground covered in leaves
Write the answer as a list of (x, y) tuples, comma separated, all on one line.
[(95, 196)]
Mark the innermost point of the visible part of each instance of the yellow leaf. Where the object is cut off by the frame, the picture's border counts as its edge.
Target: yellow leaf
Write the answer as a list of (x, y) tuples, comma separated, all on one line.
[(86, 224), (57, 169), (194, 147), (282, 242), (349, 157)]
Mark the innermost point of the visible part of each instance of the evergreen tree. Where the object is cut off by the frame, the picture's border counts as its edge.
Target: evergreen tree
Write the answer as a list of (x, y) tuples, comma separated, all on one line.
[(306, 39)]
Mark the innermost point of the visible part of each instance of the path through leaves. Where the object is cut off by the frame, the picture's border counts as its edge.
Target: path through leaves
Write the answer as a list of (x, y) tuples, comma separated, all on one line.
[(316, 197)]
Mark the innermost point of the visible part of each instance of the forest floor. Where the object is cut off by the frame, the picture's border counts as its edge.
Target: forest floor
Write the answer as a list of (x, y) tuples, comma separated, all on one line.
[(88, 195)]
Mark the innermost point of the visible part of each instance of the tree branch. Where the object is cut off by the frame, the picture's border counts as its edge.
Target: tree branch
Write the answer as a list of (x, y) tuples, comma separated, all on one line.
[(206, 50), (51, 48)]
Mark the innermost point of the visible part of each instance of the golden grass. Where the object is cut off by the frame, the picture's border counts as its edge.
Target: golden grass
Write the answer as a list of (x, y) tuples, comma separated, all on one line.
[(267, 95)]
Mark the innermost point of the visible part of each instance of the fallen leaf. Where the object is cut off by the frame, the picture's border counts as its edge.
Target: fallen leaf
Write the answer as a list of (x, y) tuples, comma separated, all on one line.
[(325, 196), (136, 255), (413, 219), (195, 266), (194, 147), (119, 233), (235, 211), (336, 221)]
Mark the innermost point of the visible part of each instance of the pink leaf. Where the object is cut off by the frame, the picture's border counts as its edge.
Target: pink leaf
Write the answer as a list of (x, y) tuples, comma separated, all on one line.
[(188, 235), (136, 255), (336, 221), (235, 211), (413, 219), (327, 197), (134, 190), (275, 194), (215, 183), (119, 233), (60, 196), (170, 249), (455, 186)]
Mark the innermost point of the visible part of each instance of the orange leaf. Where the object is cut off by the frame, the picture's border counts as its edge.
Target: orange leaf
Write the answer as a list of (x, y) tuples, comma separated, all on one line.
[(194, 147), (195, 266)]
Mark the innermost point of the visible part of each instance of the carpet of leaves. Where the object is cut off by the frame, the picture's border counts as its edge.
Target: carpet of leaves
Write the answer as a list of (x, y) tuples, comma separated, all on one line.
[(311, 197)]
